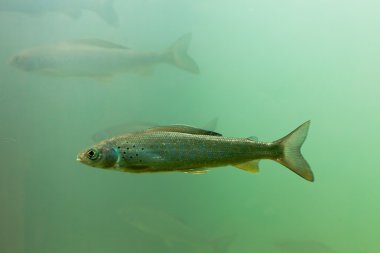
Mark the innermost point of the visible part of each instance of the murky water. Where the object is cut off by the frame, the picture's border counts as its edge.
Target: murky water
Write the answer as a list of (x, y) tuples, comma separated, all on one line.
[(265, 67)]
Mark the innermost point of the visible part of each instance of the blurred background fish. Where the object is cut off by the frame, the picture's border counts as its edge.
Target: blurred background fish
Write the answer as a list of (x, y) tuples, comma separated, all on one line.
[(72, 8), (101, 59), (290, 246), (4, 140), (173, 232)]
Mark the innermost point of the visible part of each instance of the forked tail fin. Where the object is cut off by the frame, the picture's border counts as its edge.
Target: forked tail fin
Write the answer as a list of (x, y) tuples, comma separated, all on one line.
[(291, 155), (177, 55)]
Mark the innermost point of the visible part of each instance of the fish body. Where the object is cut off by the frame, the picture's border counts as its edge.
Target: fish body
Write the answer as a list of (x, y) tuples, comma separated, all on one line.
[(193, 150), (100, 59), (72, 8)]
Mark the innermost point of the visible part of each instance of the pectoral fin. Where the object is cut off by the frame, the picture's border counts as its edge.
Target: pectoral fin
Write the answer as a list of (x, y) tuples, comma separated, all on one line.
[(251, 166)]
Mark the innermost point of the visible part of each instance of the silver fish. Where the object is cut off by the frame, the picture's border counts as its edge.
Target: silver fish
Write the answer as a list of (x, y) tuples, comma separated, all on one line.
[(193, 150), (101, 59), (72, 8)]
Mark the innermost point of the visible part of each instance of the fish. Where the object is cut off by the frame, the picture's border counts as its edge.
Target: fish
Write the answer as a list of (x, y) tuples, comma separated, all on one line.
[(304, 246), (101, 59), (193, 150), (299, 246), (172, 231), (7, 140), (72, 8)]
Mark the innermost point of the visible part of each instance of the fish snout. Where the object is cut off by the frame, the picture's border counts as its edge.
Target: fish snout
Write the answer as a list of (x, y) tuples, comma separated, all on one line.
[(80, 157), (22, 62)]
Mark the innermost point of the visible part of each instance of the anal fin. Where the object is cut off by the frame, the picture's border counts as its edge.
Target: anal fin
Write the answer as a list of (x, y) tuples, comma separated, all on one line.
[(251, 166)]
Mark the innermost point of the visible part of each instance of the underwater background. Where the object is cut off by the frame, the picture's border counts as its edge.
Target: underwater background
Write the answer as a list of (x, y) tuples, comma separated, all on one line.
[(265, 68)]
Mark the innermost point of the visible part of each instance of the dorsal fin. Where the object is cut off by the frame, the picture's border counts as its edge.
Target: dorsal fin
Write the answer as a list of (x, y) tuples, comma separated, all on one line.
[(99, 43), (183, 129), (253, 138), (141, 127)]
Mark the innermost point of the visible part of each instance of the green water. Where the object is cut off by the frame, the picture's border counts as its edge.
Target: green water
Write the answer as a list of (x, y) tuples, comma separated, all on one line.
[(266, 67)]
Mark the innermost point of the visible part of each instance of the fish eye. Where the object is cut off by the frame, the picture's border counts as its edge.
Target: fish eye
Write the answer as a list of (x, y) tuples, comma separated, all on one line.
[(92, 154)]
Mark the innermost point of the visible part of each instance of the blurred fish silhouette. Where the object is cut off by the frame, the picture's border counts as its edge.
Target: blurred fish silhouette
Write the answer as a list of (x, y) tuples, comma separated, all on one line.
[(101, 59), (2, 95), (7, 140), (172, 231), (304, 247), (72, 8)]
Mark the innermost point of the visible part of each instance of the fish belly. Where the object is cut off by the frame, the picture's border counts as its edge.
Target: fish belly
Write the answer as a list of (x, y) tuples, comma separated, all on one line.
[(95, 63), (77, 63)]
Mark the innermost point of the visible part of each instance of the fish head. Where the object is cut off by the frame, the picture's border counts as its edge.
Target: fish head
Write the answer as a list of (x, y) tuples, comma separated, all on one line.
[(103, 156), (24, 62)]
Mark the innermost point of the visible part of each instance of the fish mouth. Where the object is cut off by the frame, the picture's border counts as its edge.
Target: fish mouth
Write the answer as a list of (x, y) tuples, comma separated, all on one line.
[(79, 159)]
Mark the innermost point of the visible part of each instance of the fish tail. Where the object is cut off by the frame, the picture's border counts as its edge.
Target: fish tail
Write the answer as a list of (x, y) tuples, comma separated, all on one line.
[(105, 9), (291, 156), (177, 55)]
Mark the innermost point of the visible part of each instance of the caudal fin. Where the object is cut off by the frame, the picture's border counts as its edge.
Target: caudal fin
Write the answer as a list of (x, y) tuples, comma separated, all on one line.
[(177, 55), (291, 156)]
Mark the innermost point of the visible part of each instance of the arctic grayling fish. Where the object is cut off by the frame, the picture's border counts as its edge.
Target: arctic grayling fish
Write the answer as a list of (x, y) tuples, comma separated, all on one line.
[(193, 150), (101, 59)]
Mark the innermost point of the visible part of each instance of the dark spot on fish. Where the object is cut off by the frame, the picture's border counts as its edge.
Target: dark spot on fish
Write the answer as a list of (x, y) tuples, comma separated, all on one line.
[(137, 154), (124, 152), (130, 157), (127, 148), (142, 148), (140, 161), (118, 147), (134, 146)]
